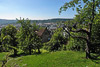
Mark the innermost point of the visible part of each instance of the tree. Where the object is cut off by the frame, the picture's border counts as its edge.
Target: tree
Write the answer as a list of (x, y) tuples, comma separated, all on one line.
[(27, 36), (86, 15), (57, 40), (0, 43), (8, 38), (37, 42)]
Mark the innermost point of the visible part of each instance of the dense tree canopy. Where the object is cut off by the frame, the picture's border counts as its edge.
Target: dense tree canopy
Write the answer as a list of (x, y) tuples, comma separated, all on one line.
[(27, 37), (8, 38)]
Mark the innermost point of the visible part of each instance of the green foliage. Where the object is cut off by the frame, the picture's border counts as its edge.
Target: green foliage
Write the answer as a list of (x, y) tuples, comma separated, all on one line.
[(57, 40), (8, 37), (85, 12), (27, 37), (2, 55), (96, 34), (86, 15), (76, 44), (72, 4), (77, 3)]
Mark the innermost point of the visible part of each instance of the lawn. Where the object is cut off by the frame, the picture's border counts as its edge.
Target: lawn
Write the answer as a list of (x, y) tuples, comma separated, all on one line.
[(53, 59), (2, 56)]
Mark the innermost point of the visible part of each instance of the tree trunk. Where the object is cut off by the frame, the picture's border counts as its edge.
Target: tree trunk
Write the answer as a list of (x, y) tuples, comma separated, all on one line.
[(15, 45), (15, 52), (88, 50), (88, 46), (39, 50), (90, 33), (30, 50)]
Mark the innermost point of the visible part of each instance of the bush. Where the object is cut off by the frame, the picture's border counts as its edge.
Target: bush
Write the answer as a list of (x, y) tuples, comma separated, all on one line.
[(76, 44), (57, 41)]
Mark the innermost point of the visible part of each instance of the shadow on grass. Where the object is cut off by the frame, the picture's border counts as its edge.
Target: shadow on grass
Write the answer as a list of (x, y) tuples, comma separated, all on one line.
[(96, 58), (3, 51), (18, 55), (24, 54)]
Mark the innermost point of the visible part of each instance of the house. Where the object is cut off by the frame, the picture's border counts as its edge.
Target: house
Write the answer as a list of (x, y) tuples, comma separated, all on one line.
[(44, 33)]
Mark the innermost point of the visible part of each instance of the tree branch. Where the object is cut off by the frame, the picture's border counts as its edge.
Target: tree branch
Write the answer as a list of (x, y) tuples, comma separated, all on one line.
[(81, 30), (80, 37)]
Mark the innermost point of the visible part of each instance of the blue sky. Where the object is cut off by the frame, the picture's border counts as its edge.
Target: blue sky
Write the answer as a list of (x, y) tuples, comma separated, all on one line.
[(33, 9)]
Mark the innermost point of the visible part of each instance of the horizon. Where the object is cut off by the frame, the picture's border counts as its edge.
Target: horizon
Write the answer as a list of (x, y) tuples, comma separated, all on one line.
[(33, 9), (37, 19)]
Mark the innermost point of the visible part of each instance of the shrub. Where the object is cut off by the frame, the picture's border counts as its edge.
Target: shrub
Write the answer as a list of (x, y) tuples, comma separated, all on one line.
[(76, 44)]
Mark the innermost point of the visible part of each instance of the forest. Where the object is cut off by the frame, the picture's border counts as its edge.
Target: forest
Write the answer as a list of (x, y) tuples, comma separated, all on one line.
[(75, 44)]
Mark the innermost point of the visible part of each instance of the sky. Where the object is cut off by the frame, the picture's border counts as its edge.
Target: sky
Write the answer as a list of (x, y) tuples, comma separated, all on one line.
[(33, 9)]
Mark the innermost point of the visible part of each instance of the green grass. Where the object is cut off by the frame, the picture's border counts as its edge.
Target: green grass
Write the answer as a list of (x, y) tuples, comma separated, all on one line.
[(53, 59), (2, 56)]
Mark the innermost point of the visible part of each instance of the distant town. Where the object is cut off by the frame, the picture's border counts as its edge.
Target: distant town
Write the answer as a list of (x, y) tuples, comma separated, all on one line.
[(51, 24)]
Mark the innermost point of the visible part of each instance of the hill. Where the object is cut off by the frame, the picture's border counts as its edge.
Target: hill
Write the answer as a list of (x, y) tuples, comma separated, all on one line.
[(53, 59), (4, 21), (51, 20)]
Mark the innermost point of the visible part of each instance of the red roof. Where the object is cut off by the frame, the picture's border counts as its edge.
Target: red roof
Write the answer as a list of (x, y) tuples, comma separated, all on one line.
[(41, 31)]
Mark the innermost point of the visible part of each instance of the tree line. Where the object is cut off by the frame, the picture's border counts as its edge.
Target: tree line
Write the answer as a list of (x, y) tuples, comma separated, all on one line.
[(24, 38)]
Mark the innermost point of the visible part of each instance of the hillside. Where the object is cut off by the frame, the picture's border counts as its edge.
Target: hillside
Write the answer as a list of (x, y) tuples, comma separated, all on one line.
[(53, 59), (4, 21), (51, 20)]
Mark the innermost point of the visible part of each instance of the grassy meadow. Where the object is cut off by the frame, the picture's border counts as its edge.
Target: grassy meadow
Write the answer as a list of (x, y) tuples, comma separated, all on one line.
[(51, 59)]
